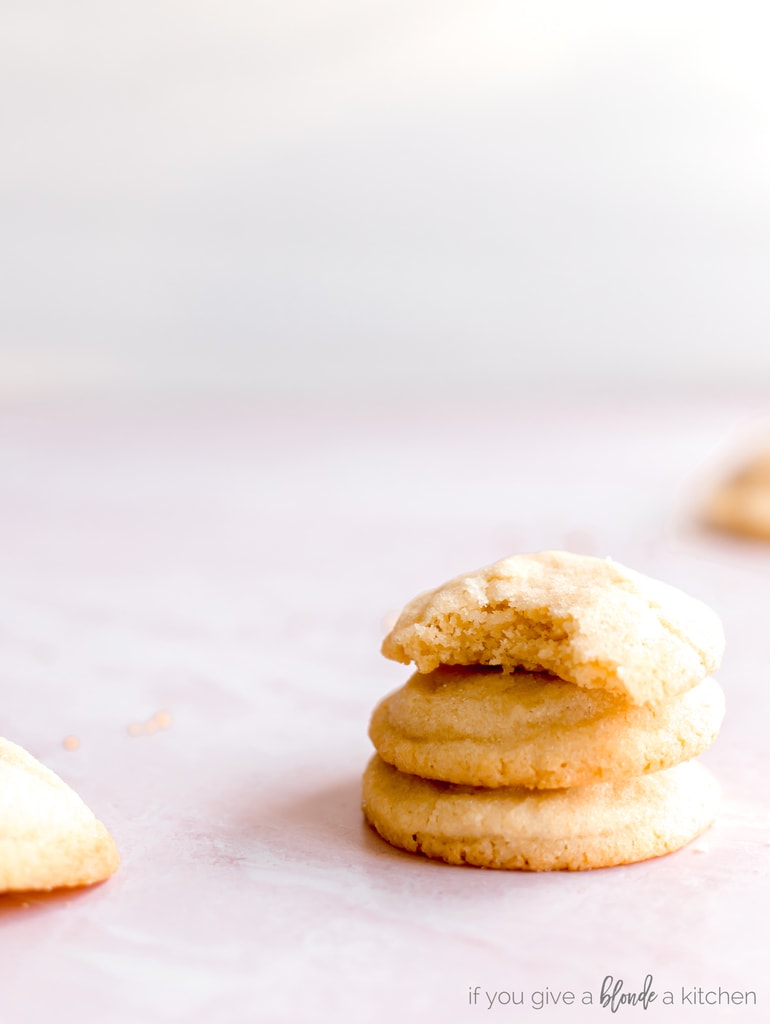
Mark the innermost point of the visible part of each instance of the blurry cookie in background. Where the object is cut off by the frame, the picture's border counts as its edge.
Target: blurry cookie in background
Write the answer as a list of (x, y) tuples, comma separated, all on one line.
[(740, 502)]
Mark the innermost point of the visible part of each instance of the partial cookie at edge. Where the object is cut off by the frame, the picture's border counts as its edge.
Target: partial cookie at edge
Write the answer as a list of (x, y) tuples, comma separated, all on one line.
[(740, 504), (49, 838)]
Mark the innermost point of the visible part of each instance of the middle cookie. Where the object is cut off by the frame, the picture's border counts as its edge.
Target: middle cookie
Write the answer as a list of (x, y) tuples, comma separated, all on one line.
[(486, 727)]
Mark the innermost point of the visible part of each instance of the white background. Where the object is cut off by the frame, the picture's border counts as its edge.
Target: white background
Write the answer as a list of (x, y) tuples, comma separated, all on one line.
[(339, 199)]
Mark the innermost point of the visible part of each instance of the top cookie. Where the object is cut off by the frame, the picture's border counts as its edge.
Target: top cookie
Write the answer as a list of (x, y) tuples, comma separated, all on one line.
[(589, 621)]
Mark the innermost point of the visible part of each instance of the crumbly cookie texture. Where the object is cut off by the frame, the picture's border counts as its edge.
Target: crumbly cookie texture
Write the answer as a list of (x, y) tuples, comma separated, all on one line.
[(741, 503), (584, 827), (492, 728), (48, 837), (589, 621)]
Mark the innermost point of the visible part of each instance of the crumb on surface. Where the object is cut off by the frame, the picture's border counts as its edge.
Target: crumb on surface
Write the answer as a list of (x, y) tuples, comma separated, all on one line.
[(70, 743), (160, 720)]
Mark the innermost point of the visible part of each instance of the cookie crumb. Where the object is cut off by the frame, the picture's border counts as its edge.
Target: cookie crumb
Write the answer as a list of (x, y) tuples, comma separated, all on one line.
[(160, 720), (701, 848), (70, 743)]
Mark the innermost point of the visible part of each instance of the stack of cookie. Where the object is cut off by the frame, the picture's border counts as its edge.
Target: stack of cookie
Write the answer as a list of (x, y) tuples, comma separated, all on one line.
[(552, 723)]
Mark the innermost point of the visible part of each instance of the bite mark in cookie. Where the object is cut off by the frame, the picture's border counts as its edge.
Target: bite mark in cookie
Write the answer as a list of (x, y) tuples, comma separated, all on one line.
[(589, 621)]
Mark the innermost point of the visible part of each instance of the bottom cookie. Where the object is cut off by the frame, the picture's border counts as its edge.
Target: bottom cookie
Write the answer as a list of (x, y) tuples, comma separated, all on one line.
[(593, 826)]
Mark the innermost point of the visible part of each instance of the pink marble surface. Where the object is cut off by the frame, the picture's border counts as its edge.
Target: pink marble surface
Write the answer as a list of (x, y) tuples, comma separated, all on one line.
[(236, 569)]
